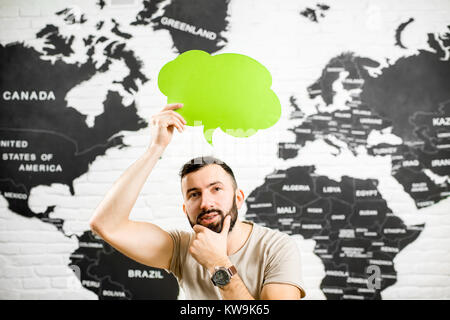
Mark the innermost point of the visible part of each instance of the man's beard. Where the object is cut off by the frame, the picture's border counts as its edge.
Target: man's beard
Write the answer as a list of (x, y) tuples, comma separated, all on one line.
[(217, 225)]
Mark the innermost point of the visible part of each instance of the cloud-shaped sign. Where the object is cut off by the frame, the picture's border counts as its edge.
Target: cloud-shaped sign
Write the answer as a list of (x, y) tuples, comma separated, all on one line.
[(228, 91)]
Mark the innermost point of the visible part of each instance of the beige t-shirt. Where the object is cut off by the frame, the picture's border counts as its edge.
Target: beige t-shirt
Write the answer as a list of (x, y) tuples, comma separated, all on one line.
[(268, 256)]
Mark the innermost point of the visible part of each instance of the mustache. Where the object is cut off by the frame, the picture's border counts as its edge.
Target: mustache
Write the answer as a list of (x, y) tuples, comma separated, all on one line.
[(204, 212)]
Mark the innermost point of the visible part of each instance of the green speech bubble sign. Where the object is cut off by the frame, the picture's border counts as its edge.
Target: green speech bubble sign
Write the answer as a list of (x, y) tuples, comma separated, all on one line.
[(229, 91)]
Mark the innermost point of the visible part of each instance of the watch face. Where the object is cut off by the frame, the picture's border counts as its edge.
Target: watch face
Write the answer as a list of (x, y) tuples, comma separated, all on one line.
[(221, 277)]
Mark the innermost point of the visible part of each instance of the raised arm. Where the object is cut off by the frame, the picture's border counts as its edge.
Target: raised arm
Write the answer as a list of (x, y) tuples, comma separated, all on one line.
[(141, 241)]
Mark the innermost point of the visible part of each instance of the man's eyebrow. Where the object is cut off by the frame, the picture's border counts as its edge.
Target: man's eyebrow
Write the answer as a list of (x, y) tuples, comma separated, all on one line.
[(209, 185)]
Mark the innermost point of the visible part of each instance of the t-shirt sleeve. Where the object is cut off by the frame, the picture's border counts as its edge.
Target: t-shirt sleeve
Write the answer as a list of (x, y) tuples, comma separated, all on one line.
[(180, 245), (284, 264)]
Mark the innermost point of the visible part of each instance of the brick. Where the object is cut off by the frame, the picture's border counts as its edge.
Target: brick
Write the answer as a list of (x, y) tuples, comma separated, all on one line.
[(40, 295), (7, 24), (30, 236), (20, 35), (78, 227), (63, 248), (29, 11), (40, 23), (20, 224), (3, 262), (9, 295), (17, 272), (38, 259), (110, 176), (36, 283), (32, 248), (68, 213), (10, 284), (10, 248), (49, 8), (95, 189), (9, 11), (414, 292), (52, 271), (83, 202), (60, 282)]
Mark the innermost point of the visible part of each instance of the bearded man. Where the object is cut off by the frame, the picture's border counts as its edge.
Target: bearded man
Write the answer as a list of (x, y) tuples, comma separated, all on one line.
[(222, 257)]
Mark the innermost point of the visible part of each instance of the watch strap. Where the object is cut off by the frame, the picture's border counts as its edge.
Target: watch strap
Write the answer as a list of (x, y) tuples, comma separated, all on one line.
[(232, 270)]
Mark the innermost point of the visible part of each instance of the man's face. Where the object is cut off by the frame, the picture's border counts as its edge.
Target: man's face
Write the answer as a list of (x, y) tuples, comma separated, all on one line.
[(209, 196)]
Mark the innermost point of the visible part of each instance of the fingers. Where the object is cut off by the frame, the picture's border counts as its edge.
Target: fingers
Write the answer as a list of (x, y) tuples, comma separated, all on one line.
[(226, 225), (176, 114), (169, 118), (176, 123), (198, 228), (168, 111), (172, 106)]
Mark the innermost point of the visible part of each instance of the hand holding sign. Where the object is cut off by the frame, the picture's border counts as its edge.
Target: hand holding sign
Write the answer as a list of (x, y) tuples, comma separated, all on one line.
[(228, 91)]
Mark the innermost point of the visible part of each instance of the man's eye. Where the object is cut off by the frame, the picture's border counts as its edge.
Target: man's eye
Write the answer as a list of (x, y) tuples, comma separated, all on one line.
[(194, 194), (217, 188)]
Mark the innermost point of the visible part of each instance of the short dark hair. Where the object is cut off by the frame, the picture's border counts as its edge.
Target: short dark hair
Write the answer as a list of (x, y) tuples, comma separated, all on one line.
[(196, 164)]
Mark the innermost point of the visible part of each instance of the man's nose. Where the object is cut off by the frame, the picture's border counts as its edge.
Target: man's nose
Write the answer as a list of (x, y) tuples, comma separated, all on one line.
[(207, 202)]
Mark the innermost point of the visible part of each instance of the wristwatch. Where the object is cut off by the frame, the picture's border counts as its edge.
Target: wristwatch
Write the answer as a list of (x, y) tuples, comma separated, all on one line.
[(222, 276)]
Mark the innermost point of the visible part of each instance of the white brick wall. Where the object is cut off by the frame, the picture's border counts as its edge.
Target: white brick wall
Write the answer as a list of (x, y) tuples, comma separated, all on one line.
[(34, 256)]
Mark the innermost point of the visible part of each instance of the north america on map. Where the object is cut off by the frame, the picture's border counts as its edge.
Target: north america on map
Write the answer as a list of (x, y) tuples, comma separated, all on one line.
[(43, 141)]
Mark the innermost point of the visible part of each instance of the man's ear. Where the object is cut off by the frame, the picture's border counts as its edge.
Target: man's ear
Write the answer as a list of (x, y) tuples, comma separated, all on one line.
[(239, 198), (184, 209)]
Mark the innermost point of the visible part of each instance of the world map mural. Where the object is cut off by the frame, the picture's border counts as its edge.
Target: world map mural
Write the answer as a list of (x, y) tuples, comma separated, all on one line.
[(44, 140)]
